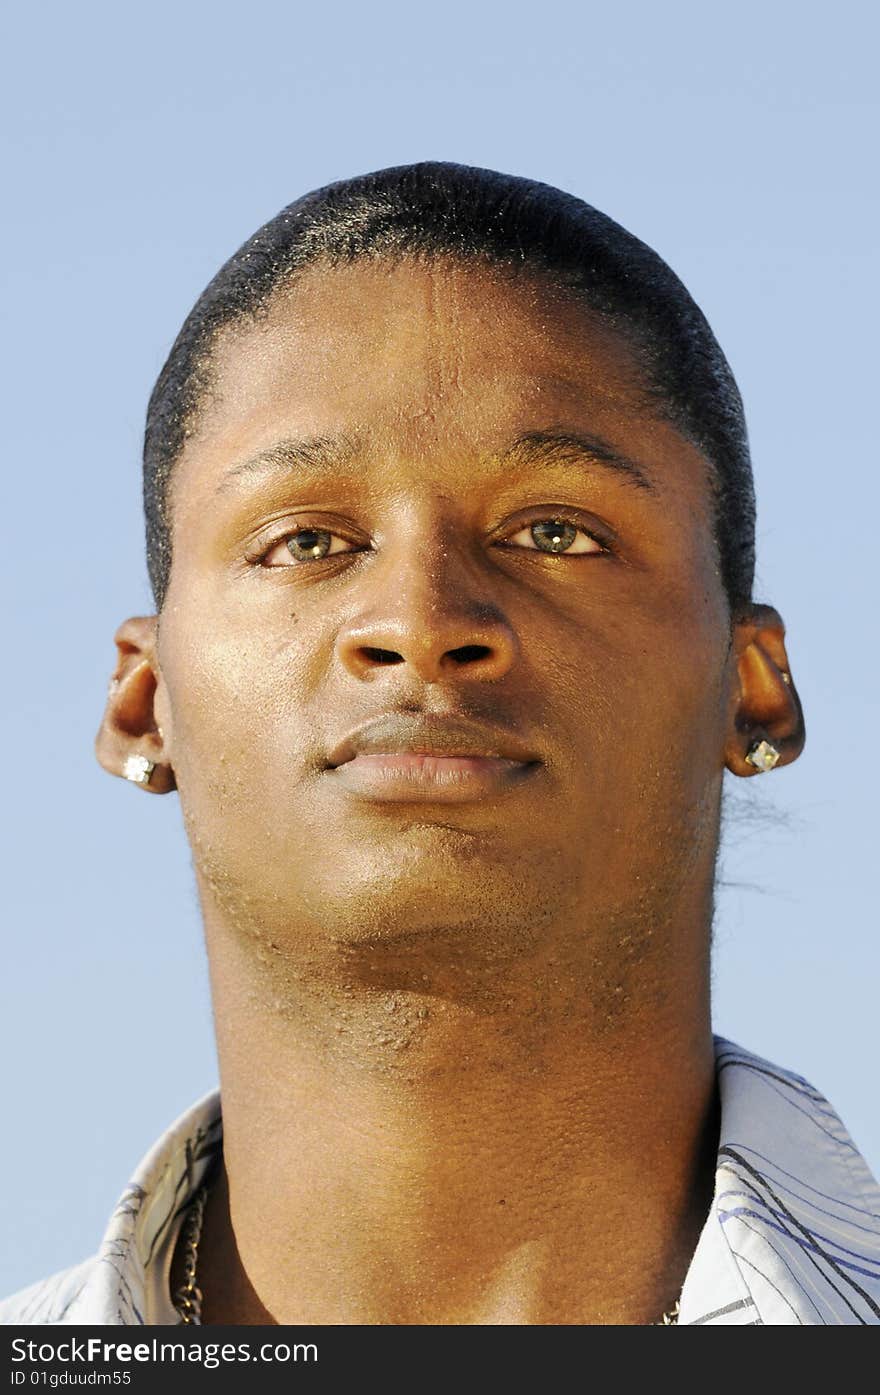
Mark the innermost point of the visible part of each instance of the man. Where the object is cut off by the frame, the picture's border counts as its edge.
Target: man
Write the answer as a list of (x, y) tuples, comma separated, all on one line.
[(450, 530)]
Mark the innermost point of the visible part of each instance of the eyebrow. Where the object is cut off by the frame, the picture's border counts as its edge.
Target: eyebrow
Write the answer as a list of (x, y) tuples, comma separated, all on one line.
[(560, 446), (321, 455), (326, 455)]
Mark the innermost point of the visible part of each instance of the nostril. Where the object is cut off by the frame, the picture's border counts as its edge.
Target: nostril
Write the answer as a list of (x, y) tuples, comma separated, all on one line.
[(382, 656), (467, 653)]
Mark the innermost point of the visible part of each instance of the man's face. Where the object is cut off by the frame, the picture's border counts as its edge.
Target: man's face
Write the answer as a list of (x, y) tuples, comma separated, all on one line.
[(422, 584)]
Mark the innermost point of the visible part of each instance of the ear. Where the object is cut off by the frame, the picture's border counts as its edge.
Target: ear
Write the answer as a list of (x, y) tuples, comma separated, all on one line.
[(130, 728), (764, 703)]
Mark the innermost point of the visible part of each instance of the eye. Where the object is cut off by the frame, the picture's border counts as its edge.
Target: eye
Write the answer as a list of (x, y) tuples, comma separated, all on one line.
[(307, 545), (552, 536), (557, 535)]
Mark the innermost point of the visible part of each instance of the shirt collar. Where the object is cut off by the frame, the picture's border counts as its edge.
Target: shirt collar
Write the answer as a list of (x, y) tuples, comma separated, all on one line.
[(792, 1237), (121, 1287)]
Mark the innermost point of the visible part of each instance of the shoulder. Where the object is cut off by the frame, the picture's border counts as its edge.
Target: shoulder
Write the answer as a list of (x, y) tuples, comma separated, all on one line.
[(48, 1300), (791, 1117), (795, 1200), (115, 1285)]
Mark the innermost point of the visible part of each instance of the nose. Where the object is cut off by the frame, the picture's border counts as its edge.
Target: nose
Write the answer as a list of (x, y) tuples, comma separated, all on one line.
[(427, 609)]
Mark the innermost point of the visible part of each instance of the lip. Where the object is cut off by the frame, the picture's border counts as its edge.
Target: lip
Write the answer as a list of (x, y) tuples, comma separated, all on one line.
[(447, 760)]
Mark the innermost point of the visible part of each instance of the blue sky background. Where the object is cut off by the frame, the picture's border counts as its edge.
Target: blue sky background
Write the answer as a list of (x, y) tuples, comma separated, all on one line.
[(141, 146)]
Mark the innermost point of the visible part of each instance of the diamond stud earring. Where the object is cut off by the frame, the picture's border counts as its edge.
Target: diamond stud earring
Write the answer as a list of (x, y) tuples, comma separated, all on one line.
[(138, 769), (763, 755)]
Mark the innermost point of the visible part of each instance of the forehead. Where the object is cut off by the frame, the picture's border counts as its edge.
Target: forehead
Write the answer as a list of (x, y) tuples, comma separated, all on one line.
[(422, 357)]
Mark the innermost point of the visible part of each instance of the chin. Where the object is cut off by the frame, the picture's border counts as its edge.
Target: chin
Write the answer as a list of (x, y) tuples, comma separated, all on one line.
[(420, 905)]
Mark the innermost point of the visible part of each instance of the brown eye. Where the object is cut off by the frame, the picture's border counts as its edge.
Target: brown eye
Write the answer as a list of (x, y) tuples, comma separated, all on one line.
[(558, 535)]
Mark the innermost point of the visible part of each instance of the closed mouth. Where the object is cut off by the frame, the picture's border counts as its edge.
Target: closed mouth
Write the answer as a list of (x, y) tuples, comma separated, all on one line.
[(407, 776)]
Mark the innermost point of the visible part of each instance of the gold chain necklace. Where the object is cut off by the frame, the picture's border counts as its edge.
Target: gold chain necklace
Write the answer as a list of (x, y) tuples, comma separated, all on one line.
[(188, 1298)]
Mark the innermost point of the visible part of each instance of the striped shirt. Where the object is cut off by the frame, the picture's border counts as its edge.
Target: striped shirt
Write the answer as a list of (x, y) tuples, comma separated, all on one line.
[(792, 1237)]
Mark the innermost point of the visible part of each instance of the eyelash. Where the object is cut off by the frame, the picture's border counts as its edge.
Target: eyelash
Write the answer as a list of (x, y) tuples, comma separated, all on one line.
[(559, 516)]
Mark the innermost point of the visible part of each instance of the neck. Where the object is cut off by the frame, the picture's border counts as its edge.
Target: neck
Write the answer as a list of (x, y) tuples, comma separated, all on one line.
[(408, 1139)]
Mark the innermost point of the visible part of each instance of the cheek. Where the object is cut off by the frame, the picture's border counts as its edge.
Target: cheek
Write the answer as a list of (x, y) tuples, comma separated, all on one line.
[(681, 716), (241, 711), (646, 697)]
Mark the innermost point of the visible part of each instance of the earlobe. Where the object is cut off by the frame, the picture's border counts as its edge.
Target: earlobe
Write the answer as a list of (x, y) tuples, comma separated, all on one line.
[(129, 742), (766, 723)]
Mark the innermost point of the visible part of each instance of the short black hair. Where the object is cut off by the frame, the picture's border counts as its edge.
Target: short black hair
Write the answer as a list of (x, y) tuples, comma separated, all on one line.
[(438, 208)]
